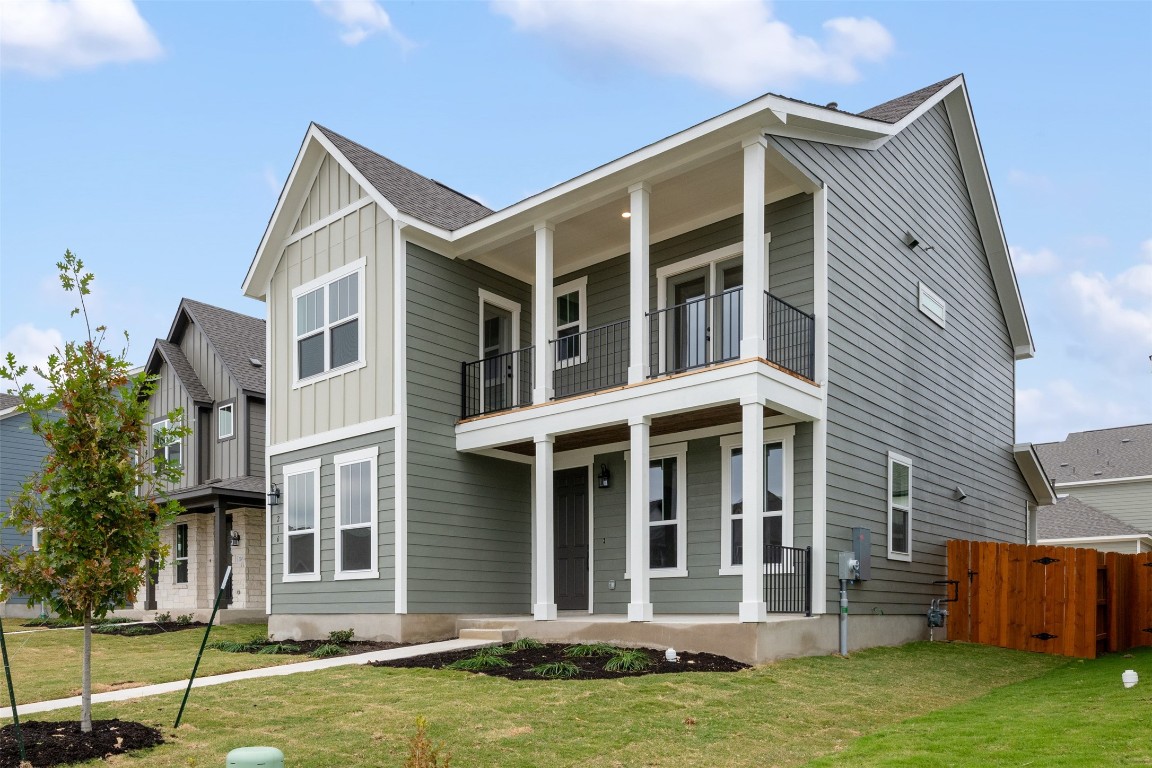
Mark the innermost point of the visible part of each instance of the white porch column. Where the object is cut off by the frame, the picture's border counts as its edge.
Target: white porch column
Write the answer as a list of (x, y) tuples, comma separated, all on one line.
[(753, 342), (543, 546), (640, 608), (752, 606), (639, 245), (543, 316)]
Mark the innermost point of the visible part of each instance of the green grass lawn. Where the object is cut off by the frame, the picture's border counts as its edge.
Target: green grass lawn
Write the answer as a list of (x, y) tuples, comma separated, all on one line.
[(784, 714), (46, 664)]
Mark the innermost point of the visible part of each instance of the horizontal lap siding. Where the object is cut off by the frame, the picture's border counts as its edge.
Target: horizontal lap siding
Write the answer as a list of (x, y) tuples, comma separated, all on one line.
[(469, 517), (943, 397), (329, 595), (1128, 502), (21, 454)]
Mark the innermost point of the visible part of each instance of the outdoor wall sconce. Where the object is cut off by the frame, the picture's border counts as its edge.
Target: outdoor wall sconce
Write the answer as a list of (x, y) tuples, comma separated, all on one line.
[(234, 538), (604, 479), (274, 495), (911, 240), (959, 494)]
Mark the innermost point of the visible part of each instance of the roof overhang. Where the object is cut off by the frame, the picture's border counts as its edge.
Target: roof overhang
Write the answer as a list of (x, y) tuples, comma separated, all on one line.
[(152, 367), (1033, 472), (1080, 541)]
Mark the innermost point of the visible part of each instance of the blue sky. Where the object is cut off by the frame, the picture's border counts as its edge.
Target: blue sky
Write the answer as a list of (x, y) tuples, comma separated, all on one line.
[(152, 139)]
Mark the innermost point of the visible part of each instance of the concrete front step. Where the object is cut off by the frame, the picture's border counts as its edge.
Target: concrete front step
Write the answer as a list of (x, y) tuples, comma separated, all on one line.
[(493, 634)]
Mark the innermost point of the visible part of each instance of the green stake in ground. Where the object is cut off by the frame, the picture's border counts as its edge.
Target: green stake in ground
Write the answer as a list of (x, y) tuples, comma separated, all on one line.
[(11, 692), (203, 643)]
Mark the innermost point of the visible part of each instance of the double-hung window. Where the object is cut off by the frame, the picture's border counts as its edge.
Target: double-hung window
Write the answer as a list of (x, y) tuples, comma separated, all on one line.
[(356, 504), (181, 558), (776, 513), (301, 549), (329, 334), (225, 423), (571, 300), (666, 524), (165, 447), (899, 507)]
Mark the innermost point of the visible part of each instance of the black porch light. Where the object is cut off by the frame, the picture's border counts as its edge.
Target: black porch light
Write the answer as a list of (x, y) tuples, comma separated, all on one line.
[(274, 495), (234, 538), (604, 479)]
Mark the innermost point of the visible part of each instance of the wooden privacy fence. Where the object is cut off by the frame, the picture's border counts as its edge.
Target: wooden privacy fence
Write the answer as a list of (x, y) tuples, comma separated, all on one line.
[(1057, 600)]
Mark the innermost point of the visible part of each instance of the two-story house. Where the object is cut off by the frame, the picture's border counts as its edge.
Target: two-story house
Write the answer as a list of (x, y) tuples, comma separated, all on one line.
[(536, 418), (21, 454), (211, 365)]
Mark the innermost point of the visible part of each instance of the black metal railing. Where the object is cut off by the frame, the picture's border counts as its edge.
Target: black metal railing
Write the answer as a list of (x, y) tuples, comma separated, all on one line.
[(791, 335), (695, 334), (788, 579), (589, 361), (496, 383)]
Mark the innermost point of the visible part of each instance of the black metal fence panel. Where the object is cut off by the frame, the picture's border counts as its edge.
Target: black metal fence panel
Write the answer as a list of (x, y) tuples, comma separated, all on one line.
[(788, 579), (695, 334), (791, 334), (496, 383), (593, 360)]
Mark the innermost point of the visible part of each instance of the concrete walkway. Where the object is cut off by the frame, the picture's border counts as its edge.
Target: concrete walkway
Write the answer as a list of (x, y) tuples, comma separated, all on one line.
[(250, 674)]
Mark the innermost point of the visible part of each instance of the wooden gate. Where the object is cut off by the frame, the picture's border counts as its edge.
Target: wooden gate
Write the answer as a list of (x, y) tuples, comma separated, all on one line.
[(1057, 600)]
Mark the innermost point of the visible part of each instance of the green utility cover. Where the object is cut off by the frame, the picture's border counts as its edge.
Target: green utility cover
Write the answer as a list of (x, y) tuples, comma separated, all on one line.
[(255, 757)]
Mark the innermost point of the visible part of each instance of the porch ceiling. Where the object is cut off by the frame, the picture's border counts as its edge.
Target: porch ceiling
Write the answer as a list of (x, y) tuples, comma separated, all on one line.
[(661, 425)]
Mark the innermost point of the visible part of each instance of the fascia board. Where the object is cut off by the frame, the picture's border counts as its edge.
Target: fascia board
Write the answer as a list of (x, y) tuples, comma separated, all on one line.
[(1033, 472)]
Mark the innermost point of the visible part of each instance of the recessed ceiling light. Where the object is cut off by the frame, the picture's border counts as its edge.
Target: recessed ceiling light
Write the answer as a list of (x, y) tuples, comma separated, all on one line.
[(626, 215)]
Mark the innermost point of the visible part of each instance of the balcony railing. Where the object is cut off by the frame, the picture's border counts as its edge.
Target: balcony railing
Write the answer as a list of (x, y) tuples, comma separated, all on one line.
[(791, 335), (496, 383), (589, 361), (788, 579), (695, 334)]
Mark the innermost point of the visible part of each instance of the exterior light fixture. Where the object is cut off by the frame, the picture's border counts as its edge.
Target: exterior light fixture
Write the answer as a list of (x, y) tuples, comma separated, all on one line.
[(234, 538), (274, 495), (959, 494), (911, 240), (626, 215), (604, 479)]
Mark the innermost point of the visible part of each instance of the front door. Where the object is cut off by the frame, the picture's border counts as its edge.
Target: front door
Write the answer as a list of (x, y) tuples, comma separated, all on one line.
[(571, 533)]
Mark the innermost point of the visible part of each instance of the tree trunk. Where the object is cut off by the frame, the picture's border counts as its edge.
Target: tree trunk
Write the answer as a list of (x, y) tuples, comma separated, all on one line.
[(86, 683)]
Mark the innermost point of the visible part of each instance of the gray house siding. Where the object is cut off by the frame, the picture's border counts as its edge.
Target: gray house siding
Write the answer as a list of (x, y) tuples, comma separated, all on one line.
[(1128, 502), (256, 437), (169, 395), (469, 517), (21, 454), (942, 397), (328, 596)]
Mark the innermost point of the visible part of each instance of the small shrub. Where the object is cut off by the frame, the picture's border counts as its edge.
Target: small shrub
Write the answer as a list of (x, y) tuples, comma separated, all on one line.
[(130, 631), (525, 644), (271, 649), (326, 651), (555, 670), (485, 658), (231, 646), (164, 618), (184, 619), (421, 752), (341, 636), (628, 660), (589, 650)]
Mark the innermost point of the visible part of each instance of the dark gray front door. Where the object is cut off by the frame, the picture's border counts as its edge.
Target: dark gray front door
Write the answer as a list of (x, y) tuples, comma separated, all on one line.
[(571, 533)]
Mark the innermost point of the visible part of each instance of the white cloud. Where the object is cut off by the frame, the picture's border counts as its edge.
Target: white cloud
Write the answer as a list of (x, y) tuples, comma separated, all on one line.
[(1041, 262), (47, 37), (360, 19), (736, 46), (31, 346), (1049, 412), (1119, 306)]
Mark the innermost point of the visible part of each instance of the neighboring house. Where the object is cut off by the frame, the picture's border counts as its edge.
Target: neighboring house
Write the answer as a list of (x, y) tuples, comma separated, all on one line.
[(211, 365), (1072, 523), (1108, 471), (21, 454), (539, 415)]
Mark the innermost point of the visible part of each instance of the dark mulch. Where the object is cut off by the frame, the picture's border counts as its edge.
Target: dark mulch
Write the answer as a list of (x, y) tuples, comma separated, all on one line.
[(61, 743), (149, 628), (591, 668)]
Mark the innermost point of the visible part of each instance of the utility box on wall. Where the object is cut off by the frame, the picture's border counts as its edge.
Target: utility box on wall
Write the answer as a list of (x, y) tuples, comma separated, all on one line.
[(862, 549)]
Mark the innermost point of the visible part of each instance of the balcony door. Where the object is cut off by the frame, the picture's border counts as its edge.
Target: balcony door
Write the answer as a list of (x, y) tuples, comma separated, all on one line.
[(704, 322), (497, 370)]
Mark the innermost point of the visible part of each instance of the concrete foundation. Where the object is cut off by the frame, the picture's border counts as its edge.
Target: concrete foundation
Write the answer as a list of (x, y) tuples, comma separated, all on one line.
[(388, 627)]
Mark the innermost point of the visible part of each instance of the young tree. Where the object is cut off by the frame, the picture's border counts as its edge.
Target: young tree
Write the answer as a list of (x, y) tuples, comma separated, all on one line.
[(98, 498)]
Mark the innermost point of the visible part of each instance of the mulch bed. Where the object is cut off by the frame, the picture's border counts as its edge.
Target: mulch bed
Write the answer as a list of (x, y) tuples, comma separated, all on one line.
[(591, 668), (307, 646), (149, 628), (61, 743)]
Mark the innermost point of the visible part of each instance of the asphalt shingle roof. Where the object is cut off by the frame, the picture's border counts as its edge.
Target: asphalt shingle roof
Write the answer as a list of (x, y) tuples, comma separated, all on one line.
[(8, 401), (237, 338), (184, 371), (897, 109), (1101, 454), (411, 193), (1070, 518)]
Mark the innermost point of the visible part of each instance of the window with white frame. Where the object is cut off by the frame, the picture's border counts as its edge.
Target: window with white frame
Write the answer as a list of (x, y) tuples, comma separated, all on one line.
[(181, 557), (571, 301), (777, 513), (301, 523), (37, 537), (932, 305), (165, 447), (899, 507), (356, 504), (666, 523), (329, 334), (225, 428)]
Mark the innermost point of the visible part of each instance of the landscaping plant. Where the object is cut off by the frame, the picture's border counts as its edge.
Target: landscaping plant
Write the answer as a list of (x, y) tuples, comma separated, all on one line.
[(421, 753), (588, 650), (556, 669), (628, 660), (97, 497)]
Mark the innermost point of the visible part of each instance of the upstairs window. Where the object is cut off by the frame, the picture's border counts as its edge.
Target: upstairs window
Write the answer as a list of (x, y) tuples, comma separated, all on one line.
[(329, 334), (571, 320), (165, 447), (224, 422)]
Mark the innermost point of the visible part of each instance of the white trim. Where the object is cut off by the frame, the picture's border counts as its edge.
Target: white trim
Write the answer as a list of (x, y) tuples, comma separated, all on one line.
[(1138, 540), (820, 423), (895, 458), (678, 451), (329, 219), (400, 419), (321, 284), (786, 437), (382, 424), (231, 421), (578, 286), (513, 308), (312, 467), (928, 298), (269, 414), (591, 533), (175, 553), (370, 456), (1107, 481), (37, 537)]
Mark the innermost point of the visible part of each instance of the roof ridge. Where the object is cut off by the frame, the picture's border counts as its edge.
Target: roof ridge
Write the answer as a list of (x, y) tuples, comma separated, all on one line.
[(895, 110)]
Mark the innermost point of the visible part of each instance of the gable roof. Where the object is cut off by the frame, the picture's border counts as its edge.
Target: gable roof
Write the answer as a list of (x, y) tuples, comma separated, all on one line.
[(1100, 454), (8, 401), (411, 193), (897, 109), (180, 366), (1070, 518), (237, 338)]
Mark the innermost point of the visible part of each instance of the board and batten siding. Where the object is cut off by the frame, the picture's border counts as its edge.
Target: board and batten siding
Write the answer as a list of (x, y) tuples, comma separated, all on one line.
[(328, 596), (942, 397), (256, 437), (332, 190), (469, 516), (168, 395), (21, 453), (356, 396), (1127, 502)]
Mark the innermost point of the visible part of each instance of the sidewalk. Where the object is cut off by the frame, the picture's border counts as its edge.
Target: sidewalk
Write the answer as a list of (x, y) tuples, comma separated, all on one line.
[(250, 674)]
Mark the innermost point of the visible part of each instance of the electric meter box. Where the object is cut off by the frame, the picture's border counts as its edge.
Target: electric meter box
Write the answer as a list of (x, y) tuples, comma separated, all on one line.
[(862, 549)]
